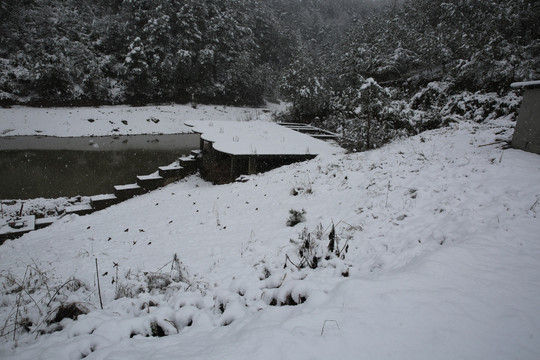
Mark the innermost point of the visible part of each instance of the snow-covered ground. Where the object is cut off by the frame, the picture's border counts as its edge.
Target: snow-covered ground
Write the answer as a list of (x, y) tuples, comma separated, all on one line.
[(119, 120), (438, 242)]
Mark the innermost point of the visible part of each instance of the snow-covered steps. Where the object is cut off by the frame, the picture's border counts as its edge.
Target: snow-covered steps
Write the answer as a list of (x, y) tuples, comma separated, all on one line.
[(123, 192), (44, 222), (82, 209), (189, 163), (149, 182), (100, 202), (171, 171), (311, 130)]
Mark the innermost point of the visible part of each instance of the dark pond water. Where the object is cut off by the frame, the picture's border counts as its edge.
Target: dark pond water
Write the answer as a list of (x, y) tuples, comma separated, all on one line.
[(50, 167)]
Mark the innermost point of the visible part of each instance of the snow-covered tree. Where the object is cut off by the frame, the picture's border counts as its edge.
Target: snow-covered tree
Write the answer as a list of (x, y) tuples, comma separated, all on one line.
[(306, 86), (366, 115)]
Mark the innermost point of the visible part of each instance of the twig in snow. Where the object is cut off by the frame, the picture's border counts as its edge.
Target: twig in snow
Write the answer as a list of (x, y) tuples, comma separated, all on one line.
[(115, 265), (387, 191), (58, 290), (325, 321), (19, 296), (288, 259), (282, 280), (170, 262), (534, 205), (345, 249), (42, 275), (99, 288), (493, 143)]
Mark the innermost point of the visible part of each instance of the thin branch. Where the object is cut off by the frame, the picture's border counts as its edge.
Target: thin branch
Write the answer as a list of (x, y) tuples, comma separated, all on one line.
[(58, 290), (534, 205), (287, 258), (493, 143), (19, 296), (99, 288)]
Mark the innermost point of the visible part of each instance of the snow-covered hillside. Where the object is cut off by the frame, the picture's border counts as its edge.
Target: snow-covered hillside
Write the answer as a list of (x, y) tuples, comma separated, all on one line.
[(438, 242)]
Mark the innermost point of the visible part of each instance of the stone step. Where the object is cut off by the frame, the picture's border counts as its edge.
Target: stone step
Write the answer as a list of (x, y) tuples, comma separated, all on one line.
[(149, 182), (196, 153), (103, 201), (44, 222), (189, 163), (171, 171), (123, 192), (83, 209)]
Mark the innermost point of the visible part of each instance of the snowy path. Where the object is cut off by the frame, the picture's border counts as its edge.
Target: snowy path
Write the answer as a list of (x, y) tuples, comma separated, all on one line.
[(443, 261)]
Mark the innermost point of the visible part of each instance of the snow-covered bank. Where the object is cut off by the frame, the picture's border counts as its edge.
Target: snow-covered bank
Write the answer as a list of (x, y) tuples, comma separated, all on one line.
[(443, 262), (119, 120)]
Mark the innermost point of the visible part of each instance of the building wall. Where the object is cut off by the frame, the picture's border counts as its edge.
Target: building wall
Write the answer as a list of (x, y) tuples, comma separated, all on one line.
[(215, 165), (527, 131), (222, 168)]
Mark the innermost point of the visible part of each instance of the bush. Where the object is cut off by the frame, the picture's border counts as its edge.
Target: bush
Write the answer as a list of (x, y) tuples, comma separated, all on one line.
[(432, 95), (480, 107), (313, 253), (296, 217)]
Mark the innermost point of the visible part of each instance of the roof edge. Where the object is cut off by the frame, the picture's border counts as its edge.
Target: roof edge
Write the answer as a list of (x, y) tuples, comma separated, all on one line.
[(526, 84)]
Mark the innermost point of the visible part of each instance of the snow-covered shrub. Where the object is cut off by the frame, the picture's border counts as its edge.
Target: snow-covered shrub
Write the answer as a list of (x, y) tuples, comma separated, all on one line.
[(34, 305), (302, 188), (70, 310), (158, 281), (294, 292), (433, 95), (129, 287), (318, 250), (480, 107), (133, 284), (312, 249), (296, 217)]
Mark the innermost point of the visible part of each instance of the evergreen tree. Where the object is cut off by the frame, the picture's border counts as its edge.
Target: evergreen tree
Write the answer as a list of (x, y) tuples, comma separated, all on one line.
[(366, 115)]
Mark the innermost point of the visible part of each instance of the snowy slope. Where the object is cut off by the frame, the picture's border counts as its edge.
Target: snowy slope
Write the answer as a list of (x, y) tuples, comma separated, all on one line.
[(443, 262)]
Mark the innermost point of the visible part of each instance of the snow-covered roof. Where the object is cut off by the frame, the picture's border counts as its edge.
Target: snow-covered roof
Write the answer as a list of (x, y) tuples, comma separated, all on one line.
[(259, 138), (534, 83)]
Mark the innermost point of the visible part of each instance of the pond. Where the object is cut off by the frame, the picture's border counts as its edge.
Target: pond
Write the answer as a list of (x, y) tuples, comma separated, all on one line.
[(51, 167)]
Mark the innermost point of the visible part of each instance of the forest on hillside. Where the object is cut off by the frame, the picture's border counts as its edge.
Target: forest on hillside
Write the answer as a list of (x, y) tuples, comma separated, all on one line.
[(370, 69), (93, 52)]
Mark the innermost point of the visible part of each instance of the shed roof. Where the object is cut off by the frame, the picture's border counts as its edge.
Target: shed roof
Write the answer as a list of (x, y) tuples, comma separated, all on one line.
[(259, 138)]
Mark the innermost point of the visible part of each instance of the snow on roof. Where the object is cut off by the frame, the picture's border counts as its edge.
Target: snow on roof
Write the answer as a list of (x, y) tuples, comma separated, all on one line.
[(259, 138), (534, 83)]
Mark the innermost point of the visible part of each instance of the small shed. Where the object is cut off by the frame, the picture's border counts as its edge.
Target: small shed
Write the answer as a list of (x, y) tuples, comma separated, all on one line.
[(230, 149), (527, 130)]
